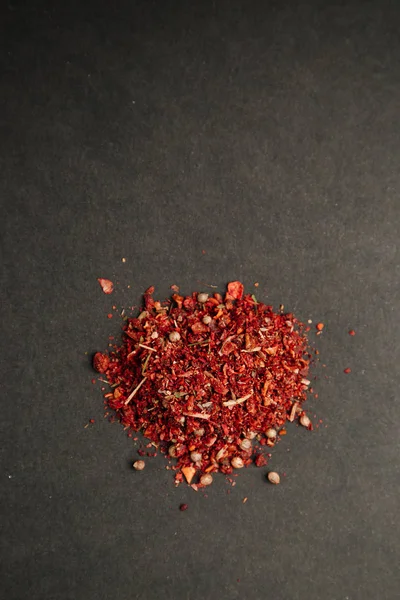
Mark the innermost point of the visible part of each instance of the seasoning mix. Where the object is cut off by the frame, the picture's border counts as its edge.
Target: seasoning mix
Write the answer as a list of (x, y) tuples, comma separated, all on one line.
[(209, 379)]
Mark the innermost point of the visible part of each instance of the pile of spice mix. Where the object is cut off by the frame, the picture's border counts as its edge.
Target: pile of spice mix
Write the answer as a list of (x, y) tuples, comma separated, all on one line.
[(209, 380)]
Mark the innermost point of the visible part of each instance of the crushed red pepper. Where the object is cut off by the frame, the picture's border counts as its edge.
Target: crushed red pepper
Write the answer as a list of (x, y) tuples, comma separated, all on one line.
[(106, 285), (236, 370)]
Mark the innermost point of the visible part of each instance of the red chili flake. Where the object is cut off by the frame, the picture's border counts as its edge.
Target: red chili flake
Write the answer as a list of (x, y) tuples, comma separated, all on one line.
[(109, 316), (233, 373), (189, 473), (235, 291), (348, 370), (256, 284), (175, 288), (352, 332), (320, 326), (260, 460), (91, 421), (101, 362), (106, 285), (183, 507)]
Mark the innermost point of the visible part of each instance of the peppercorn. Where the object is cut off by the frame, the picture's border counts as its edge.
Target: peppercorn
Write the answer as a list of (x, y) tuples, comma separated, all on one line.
[(206, 479), (273, 477), (174, 336), (139, 465), (237, 462), (305, 420), (271, 433), (245, 444), (195, 456)]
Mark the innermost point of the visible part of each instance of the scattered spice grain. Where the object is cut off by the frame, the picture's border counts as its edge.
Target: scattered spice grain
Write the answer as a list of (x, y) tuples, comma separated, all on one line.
[(273, 478), (139, 465)]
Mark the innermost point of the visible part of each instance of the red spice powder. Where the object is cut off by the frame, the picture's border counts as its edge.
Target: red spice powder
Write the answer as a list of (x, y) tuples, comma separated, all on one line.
[(233, 372)]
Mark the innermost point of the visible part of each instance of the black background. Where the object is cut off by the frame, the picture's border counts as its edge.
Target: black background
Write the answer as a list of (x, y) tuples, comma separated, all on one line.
[(266, 134)]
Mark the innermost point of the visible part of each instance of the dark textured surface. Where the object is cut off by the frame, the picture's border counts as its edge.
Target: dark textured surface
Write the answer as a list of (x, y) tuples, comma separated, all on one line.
[(267, 134)]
